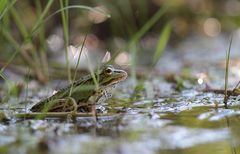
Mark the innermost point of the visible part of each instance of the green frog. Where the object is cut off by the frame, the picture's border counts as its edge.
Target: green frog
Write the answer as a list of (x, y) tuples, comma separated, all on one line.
[(82, 93)]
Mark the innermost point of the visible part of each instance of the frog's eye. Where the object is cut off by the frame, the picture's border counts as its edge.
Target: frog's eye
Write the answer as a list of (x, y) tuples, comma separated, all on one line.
[(108, 70)]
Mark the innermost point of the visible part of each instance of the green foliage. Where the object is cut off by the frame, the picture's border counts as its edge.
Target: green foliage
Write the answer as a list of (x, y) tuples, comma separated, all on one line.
[(138, 91), (3, 117), (139, 34), (11, 89), (27, 40), (8, 82), (42, 16), (4, 7), (131, 20), (147, 26)]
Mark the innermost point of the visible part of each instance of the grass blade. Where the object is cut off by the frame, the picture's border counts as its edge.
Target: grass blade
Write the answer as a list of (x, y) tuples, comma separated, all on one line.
[(19, 23), (9, 83), (226, 73), (41, 18), (162, 42), (4, 7), (98, 10), (147, 26), (42, 41), (132, 45), (66, 8), (10, 38), (78, 61), (65, 24)]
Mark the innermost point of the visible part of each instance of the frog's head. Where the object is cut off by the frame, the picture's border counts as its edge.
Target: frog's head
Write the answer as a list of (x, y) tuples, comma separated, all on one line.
[(110, 76)]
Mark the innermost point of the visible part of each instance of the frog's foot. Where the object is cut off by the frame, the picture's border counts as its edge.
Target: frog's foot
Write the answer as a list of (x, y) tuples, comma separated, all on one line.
[(84, 108), (71, 101), (88, 108)]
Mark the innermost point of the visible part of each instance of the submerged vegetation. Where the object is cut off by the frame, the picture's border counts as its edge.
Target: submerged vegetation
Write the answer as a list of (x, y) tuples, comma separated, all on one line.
[(119, 76)]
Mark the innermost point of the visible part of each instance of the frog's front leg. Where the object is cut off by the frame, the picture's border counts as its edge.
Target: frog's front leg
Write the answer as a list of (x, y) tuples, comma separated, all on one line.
[(94, 99), (90, 105)]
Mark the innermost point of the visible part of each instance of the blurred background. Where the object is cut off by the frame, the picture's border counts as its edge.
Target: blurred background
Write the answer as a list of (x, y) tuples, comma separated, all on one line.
[(44, 38), (173, 50)]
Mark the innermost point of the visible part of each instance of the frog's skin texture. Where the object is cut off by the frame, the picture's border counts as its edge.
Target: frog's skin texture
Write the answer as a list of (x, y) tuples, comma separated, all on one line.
[(81, 91)]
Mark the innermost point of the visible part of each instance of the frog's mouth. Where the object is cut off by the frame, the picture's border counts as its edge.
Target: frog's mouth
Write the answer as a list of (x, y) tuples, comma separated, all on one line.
[(118, 76), (121, 75)]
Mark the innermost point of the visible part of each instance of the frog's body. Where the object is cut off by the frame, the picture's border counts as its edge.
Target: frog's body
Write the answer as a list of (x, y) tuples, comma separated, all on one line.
[(82, 90)]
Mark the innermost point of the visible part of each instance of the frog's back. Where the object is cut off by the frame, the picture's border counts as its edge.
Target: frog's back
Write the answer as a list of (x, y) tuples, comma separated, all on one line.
[(61, 94)]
